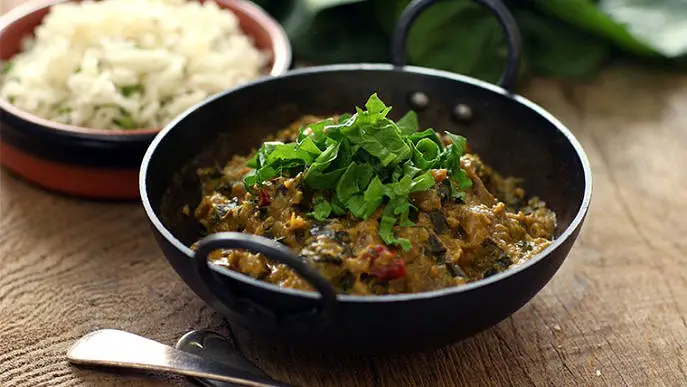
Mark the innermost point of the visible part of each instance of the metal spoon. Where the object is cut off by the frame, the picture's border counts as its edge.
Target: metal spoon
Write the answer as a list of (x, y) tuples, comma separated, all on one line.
[(213, 346), (115, 348)]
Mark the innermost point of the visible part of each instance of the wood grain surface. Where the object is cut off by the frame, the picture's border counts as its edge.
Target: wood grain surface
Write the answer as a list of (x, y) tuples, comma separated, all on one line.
[(615, 314)]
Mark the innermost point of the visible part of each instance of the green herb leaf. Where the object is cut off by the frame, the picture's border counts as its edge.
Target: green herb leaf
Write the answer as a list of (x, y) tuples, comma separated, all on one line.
[(386, 232), (128, 91), (337, 207), (374, 105), (354, 180), (374, 195), (125, 121), (322, 209), (408, 124), (423, 182), (308, 145), (356, 204), (281, 153), (7, 67), (426, 154), (427, 133), (459, 142), (451, 159), (315, 132), (384, 142), (318, 176)]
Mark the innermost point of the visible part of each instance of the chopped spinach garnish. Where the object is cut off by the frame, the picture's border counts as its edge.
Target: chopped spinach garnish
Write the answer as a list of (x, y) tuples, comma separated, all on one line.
[(363, 161), (321, 209)]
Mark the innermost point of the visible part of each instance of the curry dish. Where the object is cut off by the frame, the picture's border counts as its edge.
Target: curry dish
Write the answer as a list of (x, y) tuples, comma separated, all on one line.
[(453, 223)]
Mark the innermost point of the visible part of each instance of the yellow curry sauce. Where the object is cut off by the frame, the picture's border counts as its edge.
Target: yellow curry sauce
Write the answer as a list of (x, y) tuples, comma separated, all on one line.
[(453, 242)]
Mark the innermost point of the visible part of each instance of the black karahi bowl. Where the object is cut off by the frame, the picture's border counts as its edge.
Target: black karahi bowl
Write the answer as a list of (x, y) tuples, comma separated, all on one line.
[(510, 133)]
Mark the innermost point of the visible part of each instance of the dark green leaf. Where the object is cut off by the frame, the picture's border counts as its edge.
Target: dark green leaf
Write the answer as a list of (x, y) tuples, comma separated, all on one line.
[(338, 208), (322, 209), (556, 48), (427, 133), (587, 16), (374, 105), (354, 180), (400, 188), (423, 182), (408, 124), (317, 175), (459, 142), (308, 145), (315, 132), (280, 153), (659, 24), (410, 170), (253, 162), (251, 179), (374, 194), (7, 67), (356, 204), (125, 121), (128, 91), (384, 142), (426, 154), (386, 232), (463, 180), (459, 36), (322, 31)]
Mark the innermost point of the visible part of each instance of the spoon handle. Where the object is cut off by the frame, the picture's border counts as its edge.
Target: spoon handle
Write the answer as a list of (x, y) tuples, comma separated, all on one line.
[(115, 348)]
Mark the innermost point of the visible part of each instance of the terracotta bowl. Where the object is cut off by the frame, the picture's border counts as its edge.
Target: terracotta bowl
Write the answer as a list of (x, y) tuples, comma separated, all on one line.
[(97, 163)]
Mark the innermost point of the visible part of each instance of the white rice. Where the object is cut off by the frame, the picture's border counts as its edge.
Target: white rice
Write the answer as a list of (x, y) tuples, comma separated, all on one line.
[(124, 64)]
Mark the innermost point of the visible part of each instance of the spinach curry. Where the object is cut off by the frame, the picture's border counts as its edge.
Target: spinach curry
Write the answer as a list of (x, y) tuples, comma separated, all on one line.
[(376, 206)]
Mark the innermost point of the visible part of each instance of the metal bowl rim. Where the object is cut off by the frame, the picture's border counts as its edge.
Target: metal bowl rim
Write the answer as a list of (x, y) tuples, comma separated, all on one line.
[(448, 76)]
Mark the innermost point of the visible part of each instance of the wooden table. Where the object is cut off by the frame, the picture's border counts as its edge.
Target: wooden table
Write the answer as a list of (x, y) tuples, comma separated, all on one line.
[(615, 314)]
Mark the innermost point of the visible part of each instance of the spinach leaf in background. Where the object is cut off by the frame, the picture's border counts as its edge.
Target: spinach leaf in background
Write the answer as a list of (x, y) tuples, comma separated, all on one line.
[(335, 31), (587, 16), (459, 36), (661, 24), (564, 38), (553, 48)]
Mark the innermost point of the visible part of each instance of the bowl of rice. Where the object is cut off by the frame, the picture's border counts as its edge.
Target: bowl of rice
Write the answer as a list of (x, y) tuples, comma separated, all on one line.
[(86, 85)]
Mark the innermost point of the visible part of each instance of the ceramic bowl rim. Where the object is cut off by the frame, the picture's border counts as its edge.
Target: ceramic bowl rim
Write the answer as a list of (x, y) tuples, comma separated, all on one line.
[(281, 56)]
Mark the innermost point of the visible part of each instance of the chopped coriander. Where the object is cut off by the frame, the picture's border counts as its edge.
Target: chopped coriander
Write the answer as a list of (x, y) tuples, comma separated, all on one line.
[(7, 67), (128, 91), (125, 121), (363, 161)]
